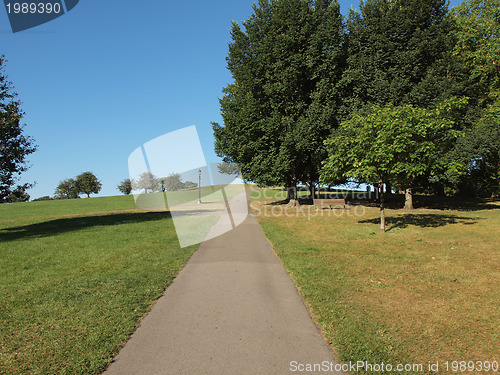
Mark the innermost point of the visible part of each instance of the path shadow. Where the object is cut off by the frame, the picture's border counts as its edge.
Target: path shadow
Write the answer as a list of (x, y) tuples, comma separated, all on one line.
[(65, 225), (423, 220)]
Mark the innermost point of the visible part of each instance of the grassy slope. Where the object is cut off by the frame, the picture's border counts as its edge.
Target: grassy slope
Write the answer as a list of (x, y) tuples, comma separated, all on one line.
[(75, 278), (427, 290)]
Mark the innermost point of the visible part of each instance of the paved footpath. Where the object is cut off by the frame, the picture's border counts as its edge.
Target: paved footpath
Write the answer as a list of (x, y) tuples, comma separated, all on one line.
[(232, 310)]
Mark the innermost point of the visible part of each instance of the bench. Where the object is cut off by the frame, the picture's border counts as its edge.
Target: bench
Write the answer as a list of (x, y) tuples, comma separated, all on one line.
[(335, 202)]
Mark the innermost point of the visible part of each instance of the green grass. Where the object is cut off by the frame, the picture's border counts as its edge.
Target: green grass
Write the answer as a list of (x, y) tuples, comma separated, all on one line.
[(426, 290), (76, 276)]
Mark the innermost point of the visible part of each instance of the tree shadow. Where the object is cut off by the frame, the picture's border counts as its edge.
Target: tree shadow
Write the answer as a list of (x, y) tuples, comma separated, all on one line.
[(397, 201), (65, 225), (276, 203), (423, 220)]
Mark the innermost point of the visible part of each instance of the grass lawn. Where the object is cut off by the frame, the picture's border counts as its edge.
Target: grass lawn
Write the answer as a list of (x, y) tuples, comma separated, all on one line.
[(76, 276), (427, 290)]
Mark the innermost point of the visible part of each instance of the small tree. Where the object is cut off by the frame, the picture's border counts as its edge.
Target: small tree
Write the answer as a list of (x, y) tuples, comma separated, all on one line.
[(67, 189), (228, 168), (393, 143), (173, 182), (125, 186), (147, 181), (190, 185), (88, 183)]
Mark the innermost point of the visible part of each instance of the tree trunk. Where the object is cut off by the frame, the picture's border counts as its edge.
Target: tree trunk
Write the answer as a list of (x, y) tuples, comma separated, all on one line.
[(382, 211), (408, 199), (292, 196)]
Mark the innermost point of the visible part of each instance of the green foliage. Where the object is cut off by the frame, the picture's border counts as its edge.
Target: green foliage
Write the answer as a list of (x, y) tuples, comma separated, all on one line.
[(14, 146), (71, 188), (125, 186), (396, 143), (44, 198), (281, 106), (398, 52), (480, 151), (393, 143), (67, 189), (19, 194), (88, 183), (477, 32)]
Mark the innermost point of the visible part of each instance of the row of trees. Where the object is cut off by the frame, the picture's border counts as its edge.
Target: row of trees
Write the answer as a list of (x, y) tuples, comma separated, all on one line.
[(84, 183), (150, 183), (401, 92)]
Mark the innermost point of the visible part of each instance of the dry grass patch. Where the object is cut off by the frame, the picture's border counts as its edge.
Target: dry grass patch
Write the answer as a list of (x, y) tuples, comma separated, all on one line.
[(427, 290)]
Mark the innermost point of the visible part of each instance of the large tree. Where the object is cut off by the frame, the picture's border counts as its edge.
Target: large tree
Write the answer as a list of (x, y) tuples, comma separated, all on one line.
[(478, 42), (398, 53), (14, 146), (282, 104), (392, 143), (477, 27)]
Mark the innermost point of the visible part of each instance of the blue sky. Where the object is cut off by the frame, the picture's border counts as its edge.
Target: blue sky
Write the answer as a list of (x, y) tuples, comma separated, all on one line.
[(109, 76)]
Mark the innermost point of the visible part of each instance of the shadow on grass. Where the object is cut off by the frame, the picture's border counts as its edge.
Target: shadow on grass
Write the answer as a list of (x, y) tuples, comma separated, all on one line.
[(397, 201), (64, 225), (423, 220)]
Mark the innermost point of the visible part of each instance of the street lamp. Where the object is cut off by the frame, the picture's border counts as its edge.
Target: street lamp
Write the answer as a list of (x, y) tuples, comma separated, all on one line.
[(199, 186)]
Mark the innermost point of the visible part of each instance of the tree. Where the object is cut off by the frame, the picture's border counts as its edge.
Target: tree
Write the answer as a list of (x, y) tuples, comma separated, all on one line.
[(399, 53), (67, 189), (190, 185), (392, 143), (477, 32), (282, 104), (228, 168), (147, 181), (125, 186), (479, 150), (478, 44), (14, 146), (173, 182), (88, 183), (19, 194)]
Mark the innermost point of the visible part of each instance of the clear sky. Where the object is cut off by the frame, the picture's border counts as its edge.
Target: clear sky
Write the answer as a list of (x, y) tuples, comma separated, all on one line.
[(109, 76)]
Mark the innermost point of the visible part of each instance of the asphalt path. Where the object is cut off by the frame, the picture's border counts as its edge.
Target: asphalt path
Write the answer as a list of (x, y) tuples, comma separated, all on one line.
[(233, 309)]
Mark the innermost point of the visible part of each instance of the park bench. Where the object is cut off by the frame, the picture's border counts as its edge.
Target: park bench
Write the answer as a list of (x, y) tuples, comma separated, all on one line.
[(334, 202)]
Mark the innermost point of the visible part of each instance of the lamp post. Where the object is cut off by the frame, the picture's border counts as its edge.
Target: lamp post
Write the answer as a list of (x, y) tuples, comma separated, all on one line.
[(199, 186)]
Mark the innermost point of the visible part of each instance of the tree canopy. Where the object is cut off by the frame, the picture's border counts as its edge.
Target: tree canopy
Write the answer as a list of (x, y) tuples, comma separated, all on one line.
[(392, 143), (285, 64), (88, 183), (125, 186), (84, 183), (395, 54), (67, 189), (14, 145)]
